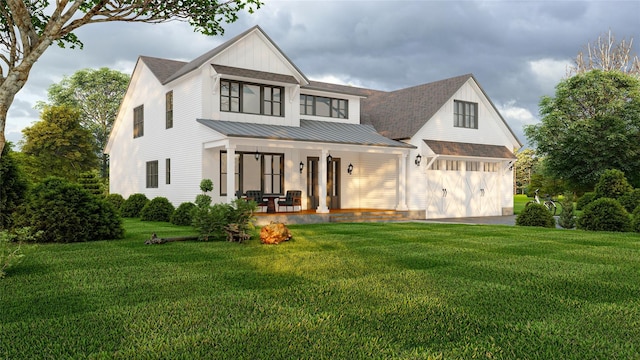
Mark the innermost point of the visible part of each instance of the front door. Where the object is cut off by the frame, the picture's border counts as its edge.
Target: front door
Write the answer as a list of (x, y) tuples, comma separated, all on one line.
[(313, 200), (333, 183)]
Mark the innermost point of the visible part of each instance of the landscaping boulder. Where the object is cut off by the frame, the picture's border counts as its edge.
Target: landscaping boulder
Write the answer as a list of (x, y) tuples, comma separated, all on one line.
[(274, 233)]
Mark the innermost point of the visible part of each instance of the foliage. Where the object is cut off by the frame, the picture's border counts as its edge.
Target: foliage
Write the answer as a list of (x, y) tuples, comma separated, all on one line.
[(630, 200), (158, 209), (65, 212), (524, 167), (13, 187), (585, 200), (347, 291), (567, 218), (635, 219), (28, 28), (133, 205), (97, 93), (612, 184), (58, 145), (183, 214), (535, 215), (10, 253), (116, 200), (91, 182), (590, 125), (206, 185), (543, 179), (604, 214)]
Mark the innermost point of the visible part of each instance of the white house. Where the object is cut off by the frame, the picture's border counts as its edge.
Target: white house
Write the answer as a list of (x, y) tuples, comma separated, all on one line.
[(435, 150)]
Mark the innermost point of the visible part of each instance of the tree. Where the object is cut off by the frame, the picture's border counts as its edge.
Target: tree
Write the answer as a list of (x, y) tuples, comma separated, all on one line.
[(58, 145), (97, 94), (608, 55), (524, 167), (13, 187), (28, 28), (592, 124)]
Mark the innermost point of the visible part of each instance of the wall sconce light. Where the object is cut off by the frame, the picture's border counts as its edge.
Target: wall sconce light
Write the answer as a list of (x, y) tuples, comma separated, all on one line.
[(418, 159), (329, 158), (257, 155), (350, 169), (301, 167)]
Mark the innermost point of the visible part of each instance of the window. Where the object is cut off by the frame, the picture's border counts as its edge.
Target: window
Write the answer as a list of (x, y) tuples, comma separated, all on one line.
[(167, 171), (169, 109), (473, 166), (324, 106), (237, 96), (265, 174), (435, 165), (138, 121), (491, 167), (465, 114), (453, 165), (152, 174)]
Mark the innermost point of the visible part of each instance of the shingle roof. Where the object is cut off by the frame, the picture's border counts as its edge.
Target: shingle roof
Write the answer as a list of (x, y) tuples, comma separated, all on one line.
[(162, 68), (255, 74), (309, 130), (400, 114), (342, 89), (471, 150)]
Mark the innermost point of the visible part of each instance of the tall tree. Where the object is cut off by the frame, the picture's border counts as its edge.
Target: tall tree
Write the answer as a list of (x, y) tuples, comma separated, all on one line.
[(524, 168), (97, 93), (592, 124), (13, 186), (28, 28), (58, 145), (607, 54)]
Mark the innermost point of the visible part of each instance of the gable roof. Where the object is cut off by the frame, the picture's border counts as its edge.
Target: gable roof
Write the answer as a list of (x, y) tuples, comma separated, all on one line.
[(168, 70), (309, 130), (255, 74), (335, 88), (468, 149)]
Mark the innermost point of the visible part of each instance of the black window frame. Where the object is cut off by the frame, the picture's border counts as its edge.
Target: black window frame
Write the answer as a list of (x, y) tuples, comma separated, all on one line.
[(267, 105), (167, 171), (337, 107), (152, 174), (465, 114), (239, 176), (169, 110), (138, 121)]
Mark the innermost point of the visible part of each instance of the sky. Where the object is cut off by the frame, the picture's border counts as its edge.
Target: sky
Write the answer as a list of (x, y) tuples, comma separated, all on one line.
[(518, 50)]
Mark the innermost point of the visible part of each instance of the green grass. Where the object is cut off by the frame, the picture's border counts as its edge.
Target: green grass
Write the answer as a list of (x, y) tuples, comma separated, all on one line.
[(352, 291)]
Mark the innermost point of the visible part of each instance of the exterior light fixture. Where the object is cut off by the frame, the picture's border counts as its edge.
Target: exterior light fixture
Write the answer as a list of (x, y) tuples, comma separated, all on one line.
[(301, 167), (257, 155), (329, 158), (350, 169), (418, 159)]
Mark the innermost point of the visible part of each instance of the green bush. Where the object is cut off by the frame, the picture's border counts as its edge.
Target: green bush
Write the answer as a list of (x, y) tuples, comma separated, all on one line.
[(604, 214), (183, 214), (535, 215), (13, 186), (116, 200), (567, 217), (133, 205), (10, 253), (630, 200), (64, 212), (635, 222), (90, 181), (158, 209), (612, 184), (585, 200)]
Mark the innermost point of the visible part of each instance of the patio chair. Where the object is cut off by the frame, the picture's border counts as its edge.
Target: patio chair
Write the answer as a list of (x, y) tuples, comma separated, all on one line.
[(293, 199), (256, 195)]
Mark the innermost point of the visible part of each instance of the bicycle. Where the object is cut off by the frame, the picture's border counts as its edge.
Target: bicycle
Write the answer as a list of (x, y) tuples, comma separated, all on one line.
[(548, 203)]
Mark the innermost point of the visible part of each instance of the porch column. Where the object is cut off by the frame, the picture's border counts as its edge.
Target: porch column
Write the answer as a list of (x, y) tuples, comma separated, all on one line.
[(322, 183), (402, 182), (231, 173)]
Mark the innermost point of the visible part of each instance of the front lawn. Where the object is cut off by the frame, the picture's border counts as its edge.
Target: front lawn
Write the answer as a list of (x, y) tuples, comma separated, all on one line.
[(336, 291)]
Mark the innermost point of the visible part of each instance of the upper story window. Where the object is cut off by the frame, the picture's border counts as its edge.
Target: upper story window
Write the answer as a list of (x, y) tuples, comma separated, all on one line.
[(138, 121), (324, 106), (169, 110), (465, 114), (241, 97)]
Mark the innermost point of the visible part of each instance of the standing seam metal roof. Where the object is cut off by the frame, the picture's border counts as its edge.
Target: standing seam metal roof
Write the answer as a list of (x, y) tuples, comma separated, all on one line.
[(309, 130)]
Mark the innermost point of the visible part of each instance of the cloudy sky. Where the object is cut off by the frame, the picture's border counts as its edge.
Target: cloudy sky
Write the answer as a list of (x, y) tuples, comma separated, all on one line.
[(517, 49)]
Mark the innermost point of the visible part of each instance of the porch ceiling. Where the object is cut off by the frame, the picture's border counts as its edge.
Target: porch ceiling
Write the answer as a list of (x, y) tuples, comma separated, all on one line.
[(308, 131)]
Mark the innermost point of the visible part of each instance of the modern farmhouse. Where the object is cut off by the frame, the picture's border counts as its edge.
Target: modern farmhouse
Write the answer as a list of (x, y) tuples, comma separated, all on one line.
[(246, 117)]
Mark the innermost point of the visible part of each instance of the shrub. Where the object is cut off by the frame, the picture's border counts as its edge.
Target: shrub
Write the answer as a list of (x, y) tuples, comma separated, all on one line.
[(13, 186), (90, 181), (183, 214), (10, 254), (635, 222), (585, 200), (133, 205), (604, 214), (612, 184), (535, 215), (116, 200), (567, 217), (630, 200), (65, 212), (158, 209)]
